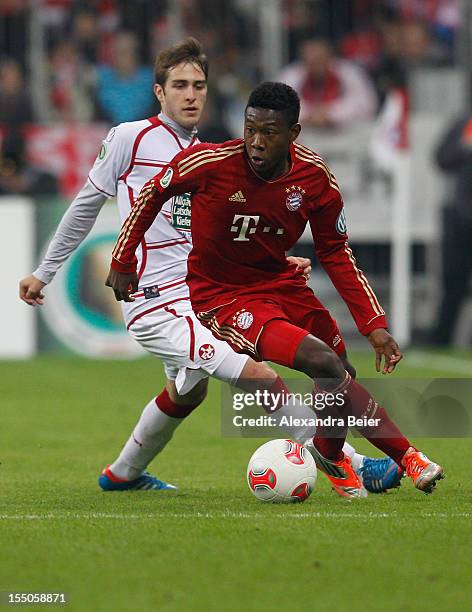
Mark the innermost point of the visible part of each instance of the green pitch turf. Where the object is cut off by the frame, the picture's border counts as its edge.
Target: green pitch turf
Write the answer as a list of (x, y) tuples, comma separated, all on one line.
[(212, 546)]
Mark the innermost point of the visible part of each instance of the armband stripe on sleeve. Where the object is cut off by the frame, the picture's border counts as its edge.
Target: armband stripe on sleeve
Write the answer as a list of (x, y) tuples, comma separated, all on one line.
[(191, 158), (214, 157), (365, 283), (130, 223)]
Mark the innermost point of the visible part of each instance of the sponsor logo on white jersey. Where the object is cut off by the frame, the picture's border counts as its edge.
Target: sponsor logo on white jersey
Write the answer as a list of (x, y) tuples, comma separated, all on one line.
[(151, 292), (182, 212)]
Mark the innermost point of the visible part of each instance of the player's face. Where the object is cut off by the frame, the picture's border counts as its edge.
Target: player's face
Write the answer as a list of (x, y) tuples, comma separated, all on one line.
[(267, 137), (183, 96)]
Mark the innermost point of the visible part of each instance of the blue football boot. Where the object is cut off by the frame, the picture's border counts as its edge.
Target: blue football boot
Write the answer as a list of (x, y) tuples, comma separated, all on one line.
[(146, 482), (380, 475)]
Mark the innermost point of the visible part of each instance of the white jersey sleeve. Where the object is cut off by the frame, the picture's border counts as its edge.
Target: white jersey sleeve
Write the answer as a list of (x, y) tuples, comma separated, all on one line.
[(75, 225), (112, 161)]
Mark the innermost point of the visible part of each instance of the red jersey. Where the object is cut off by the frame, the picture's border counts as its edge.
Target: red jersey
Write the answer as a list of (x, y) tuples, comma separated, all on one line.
[(243, 225)]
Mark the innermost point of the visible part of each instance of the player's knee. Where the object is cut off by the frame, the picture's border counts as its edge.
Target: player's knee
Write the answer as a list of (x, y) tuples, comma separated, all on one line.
[(316, 359), (258, 369), (254, 374), (327, 365)]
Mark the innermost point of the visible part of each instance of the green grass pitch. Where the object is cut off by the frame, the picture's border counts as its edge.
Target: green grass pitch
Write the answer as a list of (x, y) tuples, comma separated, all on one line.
[(211, 546)]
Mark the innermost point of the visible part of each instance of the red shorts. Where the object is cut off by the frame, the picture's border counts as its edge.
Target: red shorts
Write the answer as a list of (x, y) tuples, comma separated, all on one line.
[(240, 319)]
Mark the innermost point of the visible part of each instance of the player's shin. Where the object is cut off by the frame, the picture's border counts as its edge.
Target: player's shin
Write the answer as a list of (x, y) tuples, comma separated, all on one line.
[(155, 428), (384, 434), (294, 419)]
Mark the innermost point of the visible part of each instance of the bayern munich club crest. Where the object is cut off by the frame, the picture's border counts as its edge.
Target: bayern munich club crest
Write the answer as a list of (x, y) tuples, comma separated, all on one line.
[(294, 197), (206, 351), (243, 319)]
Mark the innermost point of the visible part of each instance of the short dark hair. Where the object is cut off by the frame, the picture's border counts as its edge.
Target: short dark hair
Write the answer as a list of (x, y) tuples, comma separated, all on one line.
[(189, 50), (276, 96)]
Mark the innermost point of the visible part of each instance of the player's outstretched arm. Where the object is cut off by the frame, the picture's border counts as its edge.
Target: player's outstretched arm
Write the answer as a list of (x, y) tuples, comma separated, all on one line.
[(31, 290), (328, 226), (75, 225), (386, 348), (81, 215)]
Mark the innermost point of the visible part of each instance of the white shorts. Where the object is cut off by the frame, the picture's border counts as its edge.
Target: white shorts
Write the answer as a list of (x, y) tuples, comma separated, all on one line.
[(188, 350)]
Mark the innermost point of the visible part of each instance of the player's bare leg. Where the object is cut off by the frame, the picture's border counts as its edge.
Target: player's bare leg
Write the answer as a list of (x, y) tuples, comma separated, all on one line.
[(165, 413), (317, 360), (259, 376)]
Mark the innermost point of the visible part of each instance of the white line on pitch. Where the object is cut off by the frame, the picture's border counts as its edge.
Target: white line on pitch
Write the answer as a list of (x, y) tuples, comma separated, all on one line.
[(441, 363), (222, 515)]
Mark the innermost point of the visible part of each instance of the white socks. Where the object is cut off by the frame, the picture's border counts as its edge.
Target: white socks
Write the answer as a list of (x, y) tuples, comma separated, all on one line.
[(151, 434), (356, 459)]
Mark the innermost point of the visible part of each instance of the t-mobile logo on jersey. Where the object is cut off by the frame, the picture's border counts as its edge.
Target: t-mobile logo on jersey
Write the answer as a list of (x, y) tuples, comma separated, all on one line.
[(248, 226), (244, 228)]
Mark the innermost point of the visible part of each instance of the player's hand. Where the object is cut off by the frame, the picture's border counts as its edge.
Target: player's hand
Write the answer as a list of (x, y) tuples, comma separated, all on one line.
[(31, 290), (385, 346), (122, 284), (303, 264)]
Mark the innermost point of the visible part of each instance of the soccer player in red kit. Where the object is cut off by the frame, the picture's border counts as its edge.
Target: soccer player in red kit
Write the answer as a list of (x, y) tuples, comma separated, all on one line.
[(251, 201)]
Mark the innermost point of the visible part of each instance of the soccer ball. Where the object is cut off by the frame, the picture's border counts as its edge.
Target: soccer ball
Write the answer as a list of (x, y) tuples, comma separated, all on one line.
[(281, 471)]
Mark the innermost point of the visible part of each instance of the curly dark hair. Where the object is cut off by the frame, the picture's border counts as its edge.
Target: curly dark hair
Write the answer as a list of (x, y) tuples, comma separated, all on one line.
[(276, 96)]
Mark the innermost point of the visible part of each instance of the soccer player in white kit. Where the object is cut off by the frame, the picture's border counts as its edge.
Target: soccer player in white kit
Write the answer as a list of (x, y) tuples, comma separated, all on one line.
[(161, 318)]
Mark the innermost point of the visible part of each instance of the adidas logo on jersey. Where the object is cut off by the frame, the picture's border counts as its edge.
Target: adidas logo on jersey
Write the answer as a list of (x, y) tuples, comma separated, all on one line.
[(238, 196)]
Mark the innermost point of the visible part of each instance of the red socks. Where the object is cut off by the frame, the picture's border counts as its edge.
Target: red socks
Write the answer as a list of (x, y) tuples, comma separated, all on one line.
[(164, 403), (385, 435)]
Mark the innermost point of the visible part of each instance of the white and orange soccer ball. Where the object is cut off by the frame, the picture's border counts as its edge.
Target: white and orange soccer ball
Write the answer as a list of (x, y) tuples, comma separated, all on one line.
[(281, 471)]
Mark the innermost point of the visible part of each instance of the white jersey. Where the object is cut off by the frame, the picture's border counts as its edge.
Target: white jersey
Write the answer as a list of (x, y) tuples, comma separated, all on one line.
[(130, 155), (160, 319)]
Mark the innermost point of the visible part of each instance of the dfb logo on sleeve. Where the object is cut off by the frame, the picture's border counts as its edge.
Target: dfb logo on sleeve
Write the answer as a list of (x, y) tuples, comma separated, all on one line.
[(166, 179), (341, 225)]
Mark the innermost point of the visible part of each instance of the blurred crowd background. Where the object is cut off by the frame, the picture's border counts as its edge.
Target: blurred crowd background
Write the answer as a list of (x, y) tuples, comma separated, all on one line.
[(70, 69), (88, 61)]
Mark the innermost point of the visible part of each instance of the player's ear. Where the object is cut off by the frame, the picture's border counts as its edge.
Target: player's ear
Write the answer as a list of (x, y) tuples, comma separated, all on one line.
[(159, 92), (295, 131)]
